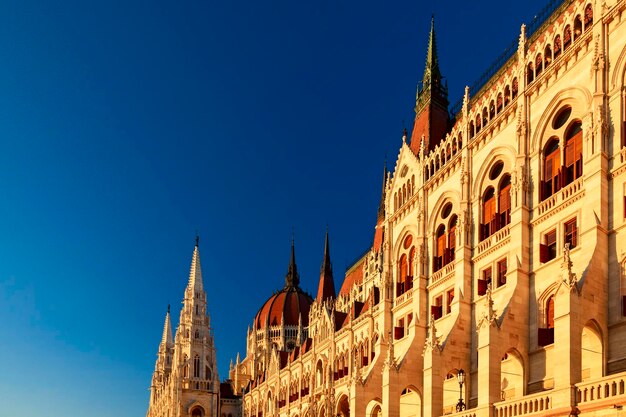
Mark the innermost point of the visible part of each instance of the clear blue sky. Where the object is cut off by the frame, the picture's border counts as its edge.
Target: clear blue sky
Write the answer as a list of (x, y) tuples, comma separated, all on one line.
[(125, 126)]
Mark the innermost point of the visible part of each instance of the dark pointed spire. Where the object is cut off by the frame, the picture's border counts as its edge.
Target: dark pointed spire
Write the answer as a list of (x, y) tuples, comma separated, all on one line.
[(292, 279), (431, 102), (381, 205), (326, 287), (432, 75)]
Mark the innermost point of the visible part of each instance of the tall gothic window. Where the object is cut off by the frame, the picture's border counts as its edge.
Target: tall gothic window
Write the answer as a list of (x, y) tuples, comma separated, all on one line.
[(405, 266), (573, 153), (196, 366)]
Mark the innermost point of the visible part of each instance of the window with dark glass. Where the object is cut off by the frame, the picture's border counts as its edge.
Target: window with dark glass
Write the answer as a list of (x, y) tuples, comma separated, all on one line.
[(451, 240), (488, 226), (571, 233), (440, 248), (547, 250), (552, 168), (545, 335), (573, 153), (504, 202), (437, 308), (484, 281), (502, 266), (449, 298)]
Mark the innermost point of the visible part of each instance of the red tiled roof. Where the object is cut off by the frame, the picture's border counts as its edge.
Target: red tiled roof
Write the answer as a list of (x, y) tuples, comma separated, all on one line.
[(353, 276), (290, 304)]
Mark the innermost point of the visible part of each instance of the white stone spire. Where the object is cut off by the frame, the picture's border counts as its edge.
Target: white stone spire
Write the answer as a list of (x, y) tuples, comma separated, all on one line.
[(166, 339), (195, 273)]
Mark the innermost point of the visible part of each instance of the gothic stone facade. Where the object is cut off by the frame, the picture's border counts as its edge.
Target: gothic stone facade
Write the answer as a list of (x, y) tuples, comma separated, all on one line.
[(185, 381), (500, 249)]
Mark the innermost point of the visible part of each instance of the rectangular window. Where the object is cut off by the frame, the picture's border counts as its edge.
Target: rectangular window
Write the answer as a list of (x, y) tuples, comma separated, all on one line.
[(484, 281), (502, 266), (399, 330), (571, 233), (449, 298), (437, 309), (547, 251)]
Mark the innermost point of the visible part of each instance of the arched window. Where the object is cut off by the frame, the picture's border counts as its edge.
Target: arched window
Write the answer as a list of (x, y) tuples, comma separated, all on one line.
[(547, 55), (578, 27), (538, 65), (499, 103), (507, 95), (567, 37), (488, 226), (440, 248), (197, 412), (588, 17), (207, 373), (530, 74), (451, 238), (545, 334), (557, 46), (197, 334), (405, 266), (196, 367), (515, 88), (573, 153), (504, 201), (551, 168)]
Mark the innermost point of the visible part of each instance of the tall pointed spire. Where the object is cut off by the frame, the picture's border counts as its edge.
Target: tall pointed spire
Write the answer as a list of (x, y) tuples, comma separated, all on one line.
[(326, 287), (381, 205), (431, 102), (195, 272), (166, 339), (292, 279), (432, 75)]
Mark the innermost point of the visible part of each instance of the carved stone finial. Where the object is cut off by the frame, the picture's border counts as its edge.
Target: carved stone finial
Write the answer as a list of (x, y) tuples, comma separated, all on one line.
[(568, 277), (390, 361), (521, 48), (432, 340), (490, 317)]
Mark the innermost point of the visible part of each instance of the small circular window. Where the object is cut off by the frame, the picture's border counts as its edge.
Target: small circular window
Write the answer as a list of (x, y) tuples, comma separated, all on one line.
[(496, 170), (562, 117), (407, 241), (447, 209)]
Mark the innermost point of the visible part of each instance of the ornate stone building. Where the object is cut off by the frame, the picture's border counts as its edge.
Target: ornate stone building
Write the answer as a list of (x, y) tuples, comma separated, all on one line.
[(495, 284), (185, 381)]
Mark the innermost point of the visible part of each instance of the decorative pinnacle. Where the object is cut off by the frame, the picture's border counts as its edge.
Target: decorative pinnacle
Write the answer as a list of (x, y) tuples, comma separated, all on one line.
[(292, 279), (432, 74)]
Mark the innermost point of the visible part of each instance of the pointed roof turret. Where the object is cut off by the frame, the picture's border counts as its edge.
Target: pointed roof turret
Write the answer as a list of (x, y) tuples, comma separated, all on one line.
[(166, 339), (195, 272), (326, 287), (292, 279)]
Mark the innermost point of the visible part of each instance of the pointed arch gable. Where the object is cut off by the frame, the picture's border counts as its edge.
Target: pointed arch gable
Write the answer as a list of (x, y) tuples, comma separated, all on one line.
[(410, 229), (453, 197), (505, 153), (618, 78), (577, 97)]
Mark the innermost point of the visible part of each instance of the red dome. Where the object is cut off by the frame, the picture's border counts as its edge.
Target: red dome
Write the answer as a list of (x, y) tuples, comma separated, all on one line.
[(290, 304)]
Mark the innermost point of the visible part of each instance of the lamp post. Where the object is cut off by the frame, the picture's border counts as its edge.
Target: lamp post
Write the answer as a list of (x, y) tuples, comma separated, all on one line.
[(460, 376)]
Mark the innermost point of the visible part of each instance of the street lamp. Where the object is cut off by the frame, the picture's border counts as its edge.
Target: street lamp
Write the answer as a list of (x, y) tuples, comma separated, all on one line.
[(460, 376)]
